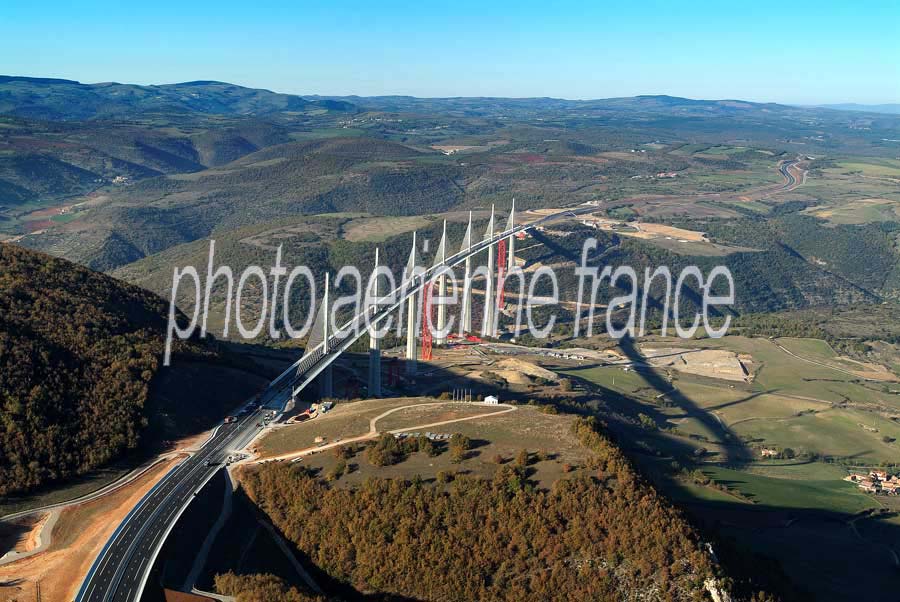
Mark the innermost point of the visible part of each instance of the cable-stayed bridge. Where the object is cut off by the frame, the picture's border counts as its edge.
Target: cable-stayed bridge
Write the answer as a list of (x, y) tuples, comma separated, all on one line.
[(327, 343)]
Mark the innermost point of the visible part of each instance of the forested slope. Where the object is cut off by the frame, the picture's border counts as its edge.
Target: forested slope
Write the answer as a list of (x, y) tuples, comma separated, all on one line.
[(80, 379), (607, 536)]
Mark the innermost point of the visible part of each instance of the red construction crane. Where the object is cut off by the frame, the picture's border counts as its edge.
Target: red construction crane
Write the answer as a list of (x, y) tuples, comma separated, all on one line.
[(426, 322)]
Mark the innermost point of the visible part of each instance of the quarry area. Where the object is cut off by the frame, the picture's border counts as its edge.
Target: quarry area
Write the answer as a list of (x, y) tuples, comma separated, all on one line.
[(712, 363)]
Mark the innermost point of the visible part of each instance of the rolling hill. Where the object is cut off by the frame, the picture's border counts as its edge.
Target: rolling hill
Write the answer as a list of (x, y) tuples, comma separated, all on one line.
[(298, 178), (61, 138), (131, 171)]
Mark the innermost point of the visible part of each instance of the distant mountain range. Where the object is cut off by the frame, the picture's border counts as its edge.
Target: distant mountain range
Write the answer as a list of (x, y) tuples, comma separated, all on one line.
[(520, 107), (63, 99), (892, 109), (69, 100)]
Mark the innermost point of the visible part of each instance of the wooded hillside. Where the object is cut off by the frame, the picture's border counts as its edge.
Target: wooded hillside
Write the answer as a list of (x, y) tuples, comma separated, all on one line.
[(79, 370), (608, 536)]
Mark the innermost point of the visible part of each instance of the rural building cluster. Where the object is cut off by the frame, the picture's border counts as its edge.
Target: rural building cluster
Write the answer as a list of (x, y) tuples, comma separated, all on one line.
[(877, 481)]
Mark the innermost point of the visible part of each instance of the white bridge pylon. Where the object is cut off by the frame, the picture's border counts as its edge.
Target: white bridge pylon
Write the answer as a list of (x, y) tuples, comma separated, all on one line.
[(440, 259), (322, 352)]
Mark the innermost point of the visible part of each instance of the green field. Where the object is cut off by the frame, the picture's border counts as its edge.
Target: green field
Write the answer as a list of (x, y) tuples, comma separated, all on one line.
[(796, 469), (837, 432), (616, 379), (756, 206), (791, 401), (808, 347), (834, 495), (860, 211), (882, 168), (780, 372), (855, 191), (378, 229), (719, 151)]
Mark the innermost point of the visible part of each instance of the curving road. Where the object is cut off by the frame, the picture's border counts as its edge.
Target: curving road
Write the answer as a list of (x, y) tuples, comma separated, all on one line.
[(790, 180), (120, 572), (785, 170), (373, 430)]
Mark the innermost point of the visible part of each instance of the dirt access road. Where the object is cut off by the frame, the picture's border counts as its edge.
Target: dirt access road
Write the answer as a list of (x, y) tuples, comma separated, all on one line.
[(373, 430)]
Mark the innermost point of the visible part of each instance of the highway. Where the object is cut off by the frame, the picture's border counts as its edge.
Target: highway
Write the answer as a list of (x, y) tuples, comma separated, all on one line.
[(785, 169), (120, 572)]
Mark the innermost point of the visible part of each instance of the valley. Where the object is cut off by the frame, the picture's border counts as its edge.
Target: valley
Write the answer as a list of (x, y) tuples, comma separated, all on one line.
[(498, 465)]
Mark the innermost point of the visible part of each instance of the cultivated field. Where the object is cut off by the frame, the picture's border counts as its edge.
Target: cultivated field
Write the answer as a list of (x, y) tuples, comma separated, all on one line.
[(828, 410)]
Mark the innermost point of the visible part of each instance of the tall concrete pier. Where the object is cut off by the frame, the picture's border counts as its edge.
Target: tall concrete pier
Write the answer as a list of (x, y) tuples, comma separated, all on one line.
[(374, 341), (412, 309), (511, 241), (465, 317), (488, 323)]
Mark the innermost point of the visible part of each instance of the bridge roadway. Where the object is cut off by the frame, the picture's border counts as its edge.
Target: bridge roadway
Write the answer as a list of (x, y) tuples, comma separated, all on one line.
[(121, 570)]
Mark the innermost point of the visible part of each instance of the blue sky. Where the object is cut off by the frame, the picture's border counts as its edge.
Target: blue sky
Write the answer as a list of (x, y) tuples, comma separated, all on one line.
[(789, 51)]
